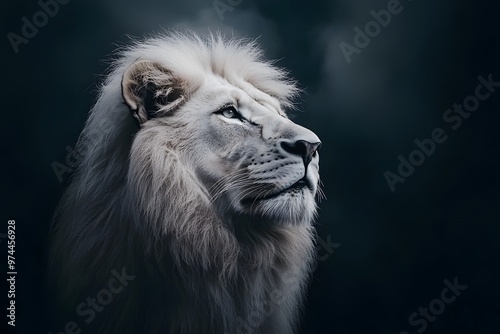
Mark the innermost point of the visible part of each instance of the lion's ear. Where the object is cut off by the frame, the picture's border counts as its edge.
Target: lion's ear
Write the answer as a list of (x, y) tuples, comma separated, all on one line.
[(150, 90)]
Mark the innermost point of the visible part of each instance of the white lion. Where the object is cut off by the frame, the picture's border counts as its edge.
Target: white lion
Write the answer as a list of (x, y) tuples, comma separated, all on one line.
[(194, 179)]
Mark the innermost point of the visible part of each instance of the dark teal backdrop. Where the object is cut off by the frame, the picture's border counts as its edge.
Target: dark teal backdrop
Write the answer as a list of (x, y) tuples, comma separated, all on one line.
[(376, 91)]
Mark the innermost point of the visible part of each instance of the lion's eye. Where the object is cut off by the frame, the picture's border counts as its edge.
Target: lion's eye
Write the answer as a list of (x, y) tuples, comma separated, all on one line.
[(229, 112)]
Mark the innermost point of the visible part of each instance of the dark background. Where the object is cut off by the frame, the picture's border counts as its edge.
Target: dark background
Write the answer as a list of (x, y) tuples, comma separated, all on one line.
[(396, 248)]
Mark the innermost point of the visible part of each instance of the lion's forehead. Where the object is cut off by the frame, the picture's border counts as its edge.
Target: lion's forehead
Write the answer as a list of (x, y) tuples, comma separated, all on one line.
[(221, 90)]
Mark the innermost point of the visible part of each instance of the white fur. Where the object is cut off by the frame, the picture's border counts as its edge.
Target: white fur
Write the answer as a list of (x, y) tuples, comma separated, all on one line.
[(164, 199)]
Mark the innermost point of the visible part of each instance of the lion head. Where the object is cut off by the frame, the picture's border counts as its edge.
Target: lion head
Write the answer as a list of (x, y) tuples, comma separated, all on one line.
[(197, 177)]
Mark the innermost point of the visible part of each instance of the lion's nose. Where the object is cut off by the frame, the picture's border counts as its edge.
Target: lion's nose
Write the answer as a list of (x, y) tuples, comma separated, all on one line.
[(302, 148)]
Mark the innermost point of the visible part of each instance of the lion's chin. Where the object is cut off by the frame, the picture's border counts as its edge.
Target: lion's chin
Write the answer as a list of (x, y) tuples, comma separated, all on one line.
[(296, 206)]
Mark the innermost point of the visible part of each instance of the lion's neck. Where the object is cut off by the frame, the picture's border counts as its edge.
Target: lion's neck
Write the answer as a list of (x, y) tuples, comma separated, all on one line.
[(260, 294), (251, 282)]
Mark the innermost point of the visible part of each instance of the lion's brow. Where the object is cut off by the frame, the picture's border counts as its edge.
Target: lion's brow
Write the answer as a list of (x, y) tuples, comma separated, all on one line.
[(269, 105)]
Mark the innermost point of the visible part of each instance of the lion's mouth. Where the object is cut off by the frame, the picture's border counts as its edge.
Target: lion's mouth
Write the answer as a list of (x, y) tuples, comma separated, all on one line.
[(299, 185)]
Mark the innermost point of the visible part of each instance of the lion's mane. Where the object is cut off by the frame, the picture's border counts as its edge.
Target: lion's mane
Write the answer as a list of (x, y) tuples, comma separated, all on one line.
[(128, 206)]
